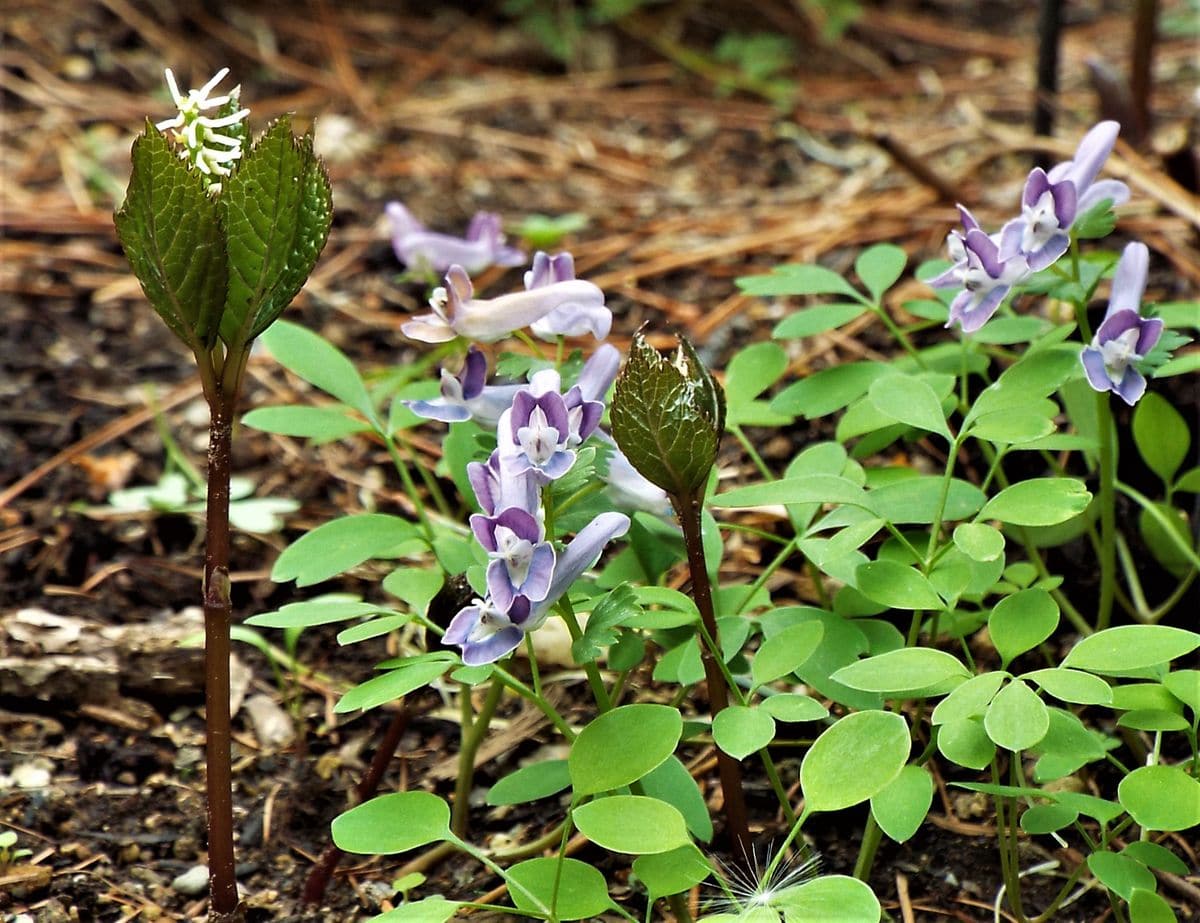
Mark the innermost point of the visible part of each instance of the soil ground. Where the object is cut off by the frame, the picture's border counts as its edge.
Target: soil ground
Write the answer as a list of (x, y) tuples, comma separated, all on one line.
[(687, 179)]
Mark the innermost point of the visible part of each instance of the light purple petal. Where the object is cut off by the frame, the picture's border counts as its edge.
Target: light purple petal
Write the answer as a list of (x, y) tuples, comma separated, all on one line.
[(1129, 280), (1113, 189), (1152, 329), (1010, 238), (985, 251), (460, 626), (1131, 387), (428, 328), (1093, 150), (1055, 247), (951, 278), (1065, 202), (1093, 367), (521, 522), (599, 372), (548, 269), (627, 487), (580, 554), (487, 320), (574, 319), (1116, 323), (968, 220), (1035, 185), (491, 649), (439, 409), (541, 570)]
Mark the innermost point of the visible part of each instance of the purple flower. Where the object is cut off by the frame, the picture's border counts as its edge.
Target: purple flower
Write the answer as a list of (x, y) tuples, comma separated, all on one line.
[(427, 251), (457, 313), (986, 278), (1052, 201), (627, 487), (1124, 336), (486, 631), (521, 561), (538, 434), (465, 396), (571, 318), (499, 486)]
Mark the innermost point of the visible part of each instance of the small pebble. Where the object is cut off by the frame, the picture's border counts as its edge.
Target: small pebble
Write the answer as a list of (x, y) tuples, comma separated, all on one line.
[(193, 882)]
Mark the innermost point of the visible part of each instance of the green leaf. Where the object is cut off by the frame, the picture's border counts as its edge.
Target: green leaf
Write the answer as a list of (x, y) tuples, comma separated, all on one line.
[(632, 824), (1180, 365), (1098, 221), (321, 423), (1116, 651), (277, 209), (1072, 686), (1046, 818), (545, 232), (1185, 686), (623, 745), (1014, 426), (794, 706), (529, 783), (392, 823), (875, 743), (1155, 856), (909, 400), (879, 267), (828, 898), (319, 611), (671, 782), (320, 363), (1147, 907), (671, 872), (828, 390), (1161, 797), (618, 606), (1161, 434), (417, 587), (668, 416), (1038, 502), (903, 670), (979, 541), (434, 909), (897, 586), (901, 807), (784, 652), (970, 699), (1016, 719), (581, 890), (1021, 622), (740, 731), (392, 685), (336, 546), (965, 742), (1120, 874), (751, 371), (809, 322), (797, 279), (372, 629), (918, 499), (170, 229)]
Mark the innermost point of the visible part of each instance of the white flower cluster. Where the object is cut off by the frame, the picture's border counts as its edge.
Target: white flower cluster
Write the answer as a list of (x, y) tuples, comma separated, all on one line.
[(199, 133)]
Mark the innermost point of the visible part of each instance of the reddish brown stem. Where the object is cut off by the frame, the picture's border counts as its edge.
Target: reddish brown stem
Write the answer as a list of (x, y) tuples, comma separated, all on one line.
[(728, 769), (217, 615), (322, 872)]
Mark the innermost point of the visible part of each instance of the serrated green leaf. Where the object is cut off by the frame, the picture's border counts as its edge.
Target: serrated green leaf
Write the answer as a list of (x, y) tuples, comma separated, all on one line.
[(668, 417), (277, 209), (171, 231)]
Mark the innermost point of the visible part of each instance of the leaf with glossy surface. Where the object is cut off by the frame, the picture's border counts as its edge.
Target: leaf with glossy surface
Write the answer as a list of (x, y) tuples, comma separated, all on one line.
[(900, 808), (794, 707), (1161, 797), (1016, 719), (797, 279), (632, 824), (876, 743), (277, 209), (623, 745), (171, 231), (971, 699), (740, 731), (782, 653), (1131, 647), (320, 611), (1038, 502), (965, 742), (979, 541), (1073, 686), (434, 909), (336, 546), (903, 670), (580, 889), (911, 401), (1147, 907), (321, 423), (808, 322), (1021, 622), (1120, 874), (392, 823)]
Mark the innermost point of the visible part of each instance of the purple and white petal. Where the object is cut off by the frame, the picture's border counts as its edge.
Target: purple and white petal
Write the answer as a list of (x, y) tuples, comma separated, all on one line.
[(1093, 367), (484, 633), (1129, 280), (1131, 387), (580, 554)]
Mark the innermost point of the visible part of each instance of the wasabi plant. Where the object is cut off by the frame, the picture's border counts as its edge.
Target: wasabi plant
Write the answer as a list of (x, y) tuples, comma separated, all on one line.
[(221, 233), (554, 501)]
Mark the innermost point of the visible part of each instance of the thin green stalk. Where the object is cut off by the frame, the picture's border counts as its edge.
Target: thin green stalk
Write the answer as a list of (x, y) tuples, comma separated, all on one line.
[(872, 837), (752, 453), (410, 487), (1108, 511), (595, 680), (473, 732), (900, 336), (1163, 523)]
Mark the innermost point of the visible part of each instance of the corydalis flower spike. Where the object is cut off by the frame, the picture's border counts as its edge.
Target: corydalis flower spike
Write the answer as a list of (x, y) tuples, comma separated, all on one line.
[(1124, 337), (424, 250), (573, 316), (466, 396)]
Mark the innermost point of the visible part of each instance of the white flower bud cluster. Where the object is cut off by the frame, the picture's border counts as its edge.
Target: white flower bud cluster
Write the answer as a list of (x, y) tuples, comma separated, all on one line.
[(212, 152)]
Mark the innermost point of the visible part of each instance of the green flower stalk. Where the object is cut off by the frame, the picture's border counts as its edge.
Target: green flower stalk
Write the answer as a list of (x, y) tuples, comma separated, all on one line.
[(221, 240)]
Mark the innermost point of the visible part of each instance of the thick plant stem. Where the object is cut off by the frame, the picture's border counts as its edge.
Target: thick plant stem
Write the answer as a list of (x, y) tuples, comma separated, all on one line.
[(729, 770), (1108, 512), (217, 614)]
